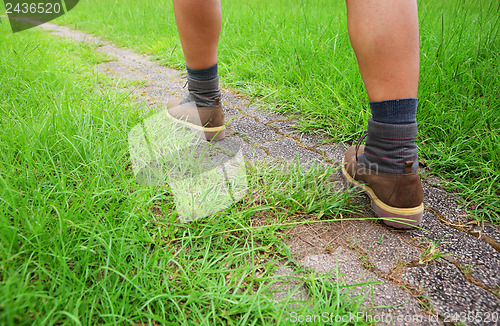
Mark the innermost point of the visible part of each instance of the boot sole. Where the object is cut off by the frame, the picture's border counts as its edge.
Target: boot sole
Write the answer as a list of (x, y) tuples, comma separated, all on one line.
[(209, 133), (389, 215)]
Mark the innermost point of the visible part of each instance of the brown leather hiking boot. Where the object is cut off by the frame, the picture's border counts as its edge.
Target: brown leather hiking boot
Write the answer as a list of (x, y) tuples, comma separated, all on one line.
[(208, 121), (394, 196)]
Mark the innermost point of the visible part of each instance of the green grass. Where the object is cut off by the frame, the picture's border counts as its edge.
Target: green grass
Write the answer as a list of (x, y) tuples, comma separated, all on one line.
[(295, 56), (82, 243)]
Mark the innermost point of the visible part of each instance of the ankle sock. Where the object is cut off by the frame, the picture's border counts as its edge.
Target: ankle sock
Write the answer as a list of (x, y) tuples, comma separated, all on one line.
[(203, 86), (205, 73), (390, 142), (398, 111)]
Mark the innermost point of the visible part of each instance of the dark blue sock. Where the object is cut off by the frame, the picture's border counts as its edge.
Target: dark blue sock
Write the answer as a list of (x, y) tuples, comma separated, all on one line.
[(203, 74), (392, 131), (399, 111)]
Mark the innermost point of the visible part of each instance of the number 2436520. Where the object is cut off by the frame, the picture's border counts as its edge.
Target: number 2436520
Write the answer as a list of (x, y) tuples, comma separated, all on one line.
[(33, 8)]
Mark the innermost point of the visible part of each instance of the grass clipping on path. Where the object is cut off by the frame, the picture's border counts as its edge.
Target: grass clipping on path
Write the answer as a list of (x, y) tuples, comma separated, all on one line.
[(81, 242)]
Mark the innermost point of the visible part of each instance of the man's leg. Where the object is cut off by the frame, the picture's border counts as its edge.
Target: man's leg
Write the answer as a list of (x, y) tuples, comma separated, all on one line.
[(199, 24), (384, 36)]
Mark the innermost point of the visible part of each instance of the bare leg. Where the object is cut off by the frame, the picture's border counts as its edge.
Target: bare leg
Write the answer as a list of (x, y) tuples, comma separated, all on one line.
[(199, 23), (384, 36)]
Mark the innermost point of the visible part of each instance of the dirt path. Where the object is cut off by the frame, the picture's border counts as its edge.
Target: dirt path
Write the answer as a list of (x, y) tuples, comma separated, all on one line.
[(449, 273)]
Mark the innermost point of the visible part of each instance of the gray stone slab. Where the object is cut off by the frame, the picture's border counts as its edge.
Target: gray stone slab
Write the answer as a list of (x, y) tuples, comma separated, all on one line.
[(288, 150), (253, 132), (452, 294), (160, 95), (121, 71), (233, 144), (384, 248), (230, 112), (334, 152), (313, 140), (471, 253), (378, 292), (286, 127), (447, 203)]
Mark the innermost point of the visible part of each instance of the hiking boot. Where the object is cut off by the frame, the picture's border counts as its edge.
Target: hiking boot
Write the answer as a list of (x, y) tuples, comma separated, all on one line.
[(207, 121), (393, 196)]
